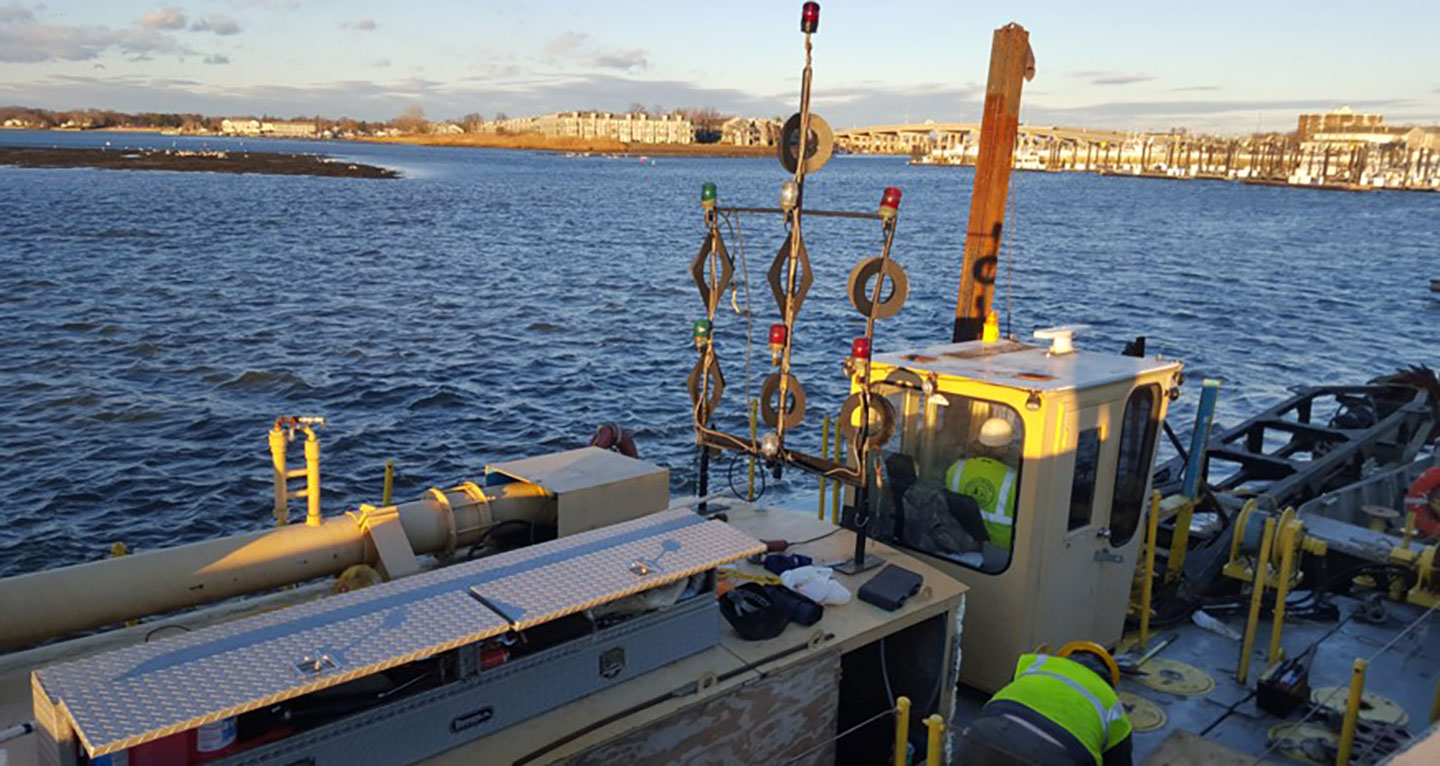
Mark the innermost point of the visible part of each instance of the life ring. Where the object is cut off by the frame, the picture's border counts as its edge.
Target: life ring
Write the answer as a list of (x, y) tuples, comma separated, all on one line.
[(1423, 500), (614, 437)]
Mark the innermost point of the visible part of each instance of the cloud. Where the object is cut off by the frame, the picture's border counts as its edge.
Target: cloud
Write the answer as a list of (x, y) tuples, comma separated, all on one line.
[(1112, 78), (635, 58), (220, 25), (566, 43), (361, 25), (381, 63), (217, 59), (44, 42), (1195, 87), (168, 17), (15, 13)]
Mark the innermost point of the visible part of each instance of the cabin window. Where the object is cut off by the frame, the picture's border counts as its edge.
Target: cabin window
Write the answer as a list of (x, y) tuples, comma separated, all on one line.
[(951, 487), (1082, 485), (1132, 471)]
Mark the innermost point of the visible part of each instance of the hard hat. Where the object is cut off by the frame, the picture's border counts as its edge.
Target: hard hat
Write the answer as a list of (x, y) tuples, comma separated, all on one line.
[(1098, 651), (996, 432)]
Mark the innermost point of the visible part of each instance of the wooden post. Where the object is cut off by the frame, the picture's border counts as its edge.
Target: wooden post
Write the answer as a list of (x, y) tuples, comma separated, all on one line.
[(1009, 62)]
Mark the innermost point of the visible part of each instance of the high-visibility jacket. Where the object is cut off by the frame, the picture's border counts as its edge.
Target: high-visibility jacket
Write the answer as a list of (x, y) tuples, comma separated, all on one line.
[(1073, 697), (992, 484)]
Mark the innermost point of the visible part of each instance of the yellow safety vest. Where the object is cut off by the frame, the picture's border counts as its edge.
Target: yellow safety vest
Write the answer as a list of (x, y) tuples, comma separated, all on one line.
[(1073, 697), (992, 484)]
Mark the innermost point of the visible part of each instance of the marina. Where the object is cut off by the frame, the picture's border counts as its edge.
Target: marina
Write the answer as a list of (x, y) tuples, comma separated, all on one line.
[(1010, 485)]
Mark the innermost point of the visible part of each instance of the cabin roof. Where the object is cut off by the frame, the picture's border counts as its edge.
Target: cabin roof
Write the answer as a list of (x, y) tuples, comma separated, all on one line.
[(1020, 365)]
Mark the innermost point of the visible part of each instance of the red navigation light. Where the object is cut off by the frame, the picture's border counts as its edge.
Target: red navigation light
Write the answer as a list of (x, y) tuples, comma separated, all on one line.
[(890, 202), (860, 348), (809, 17), (777, 334)]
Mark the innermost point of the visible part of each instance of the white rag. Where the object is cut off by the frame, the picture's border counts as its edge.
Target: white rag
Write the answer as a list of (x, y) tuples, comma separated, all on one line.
[(815, 584)]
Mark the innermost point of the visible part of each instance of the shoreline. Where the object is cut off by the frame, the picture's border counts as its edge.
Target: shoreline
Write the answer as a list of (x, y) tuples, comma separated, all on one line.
[(561, 144), (259, 163)]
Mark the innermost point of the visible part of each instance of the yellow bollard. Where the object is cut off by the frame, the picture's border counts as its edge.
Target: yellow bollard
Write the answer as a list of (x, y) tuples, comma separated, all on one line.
[(312, 478), (1352, 712), (932, 745), (1147, 585), (824, 448), (1257, 594), (388, 489), (751, 493), (902, 730), (1179, 541), (1409, 529), (837, 495), (1289, 530), (282, 492)]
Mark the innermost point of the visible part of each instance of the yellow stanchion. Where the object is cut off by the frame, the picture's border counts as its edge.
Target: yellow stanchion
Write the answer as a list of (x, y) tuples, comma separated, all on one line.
[(750, 493), (839, 487), (902, 730), (282, 492), (933, 749), (1257, 593), (388, 489), (824, 449), (1289, 529), (1352, 712), (312, 478), (1147, 585)]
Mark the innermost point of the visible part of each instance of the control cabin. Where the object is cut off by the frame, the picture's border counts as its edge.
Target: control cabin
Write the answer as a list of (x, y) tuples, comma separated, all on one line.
[(1079, 454)]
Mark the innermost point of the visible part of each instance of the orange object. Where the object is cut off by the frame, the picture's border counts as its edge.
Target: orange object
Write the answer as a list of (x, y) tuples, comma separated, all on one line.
[(1421, 500)]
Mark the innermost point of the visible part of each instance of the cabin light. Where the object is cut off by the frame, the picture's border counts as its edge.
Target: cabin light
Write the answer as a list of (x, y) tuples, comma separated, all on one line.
[(1033, 402), (707, 195), (770, 445), (809, 17), (789, 195), (778, 334), (890, 203), (702, 329), (860, 348)]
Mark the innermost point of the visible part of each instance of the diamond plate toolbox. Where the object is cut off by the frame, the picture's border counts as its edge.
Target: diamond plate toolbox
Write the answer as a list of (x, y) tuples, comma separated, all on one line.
[(109, 702)]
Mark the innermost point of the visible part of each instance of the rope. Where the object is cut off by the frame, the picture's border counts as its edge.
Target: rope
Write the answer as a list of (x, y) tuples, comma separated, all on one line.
[(734, 227), (852, 729), (1338, 690)]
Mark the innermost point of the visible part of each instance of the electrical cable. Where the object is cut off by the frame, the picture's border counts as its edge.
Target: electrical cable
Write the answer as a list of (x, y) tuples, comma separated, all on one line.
[(730, 480), (485, 536)]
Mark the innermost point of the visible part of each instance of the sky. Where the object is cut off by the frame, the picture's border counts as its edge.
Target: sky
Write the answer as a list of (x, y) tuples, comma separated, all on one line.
[(1221, 66)]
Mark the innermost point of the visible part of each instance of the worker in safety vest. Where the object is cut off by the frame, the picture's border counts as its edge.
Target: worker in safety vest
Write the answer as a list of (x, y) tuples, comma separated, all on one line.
[(984, 475), (1060, 710)]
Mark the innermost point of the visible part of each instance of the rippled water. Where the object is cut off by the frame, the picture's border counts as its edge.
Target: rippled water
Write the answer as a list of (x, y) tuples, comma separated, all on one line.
[(493, 305)]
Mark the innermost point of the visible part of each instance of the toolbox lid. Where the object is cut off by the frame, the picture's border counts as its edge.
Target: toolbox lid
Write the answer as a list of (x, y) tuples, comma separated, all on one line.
[(134, 695)]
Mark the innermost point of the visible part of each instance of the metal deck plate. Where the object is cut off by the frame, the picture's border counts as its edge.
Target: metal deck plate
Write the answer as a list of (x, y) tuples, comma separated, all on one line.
[(141, 693)]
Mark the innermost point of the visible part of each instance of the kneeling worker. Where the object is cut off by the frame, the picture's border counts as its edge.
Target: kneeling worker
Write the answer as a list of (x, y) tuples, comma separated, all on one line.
[(1059, 711)]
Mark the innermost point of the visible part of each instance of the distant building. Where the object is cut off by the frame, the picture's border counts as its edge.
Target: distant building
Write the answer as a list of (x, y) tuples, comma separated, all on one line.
[(1342, 120), (750, 131), (446, 128), (289, 129), (637, 128), (240, 127)]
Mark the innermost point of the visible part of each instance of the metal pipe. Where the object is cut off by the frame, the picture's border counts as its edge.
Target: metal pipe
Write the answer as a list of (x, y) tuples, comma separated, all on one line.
[(750, 495), (277, 460), (312, 479), (387, 490), (1257, 594), (835, 495), (1147, 584), (902, 730), (57, 602), (933, 753), (1200, 437), (1352, 712), (1288, 531), (824, 448)]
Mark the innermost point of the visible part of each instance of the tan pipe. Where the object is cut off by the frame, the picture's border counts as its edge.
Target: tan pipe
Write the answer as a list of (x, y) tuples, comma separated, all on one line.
[(57, 602)]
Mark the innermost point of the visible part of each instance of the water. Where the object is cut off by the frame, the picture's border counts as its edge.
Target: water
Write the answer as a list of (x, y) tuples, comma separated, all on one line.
[(493, 305)]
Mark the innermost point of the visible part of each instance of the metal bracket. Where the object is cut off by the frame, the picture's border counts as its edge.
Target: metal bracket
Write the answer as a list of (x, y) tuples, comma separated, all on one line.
[(1104, 556), (382, 525)]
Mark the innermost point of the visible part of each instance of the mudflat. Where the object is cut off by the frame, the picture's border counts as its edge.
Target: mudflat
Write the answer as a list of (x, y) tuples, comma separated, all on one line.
[(270, 163)]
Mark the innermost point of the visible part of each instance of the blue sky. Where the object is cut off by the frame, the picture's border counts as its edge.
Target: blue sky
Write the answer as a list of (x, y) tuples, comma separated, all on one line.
[(1220, 66)]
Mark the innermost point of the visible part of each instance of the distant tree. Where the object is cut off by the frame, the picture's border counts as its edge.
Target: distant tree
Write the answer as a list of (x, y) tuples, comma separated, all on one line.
[(472, 122), (501, 116), (412, 120), (637, 108)]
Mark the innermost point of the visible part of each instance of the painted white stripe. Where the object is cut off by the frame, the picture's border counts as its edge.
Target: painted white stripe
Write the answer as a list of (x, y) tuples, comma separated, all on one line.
[(956, 471)]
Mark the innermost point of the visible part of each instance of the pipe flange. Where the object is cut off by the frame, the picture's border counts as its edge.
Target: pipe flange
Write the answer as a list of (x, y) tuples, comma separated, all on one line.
[(860, 289), (447, 513)]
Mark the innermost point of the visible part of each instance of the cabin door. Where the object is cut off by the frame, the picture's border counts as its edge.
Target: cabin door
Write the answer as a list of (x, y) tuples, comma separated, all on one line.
[(1076, 539)]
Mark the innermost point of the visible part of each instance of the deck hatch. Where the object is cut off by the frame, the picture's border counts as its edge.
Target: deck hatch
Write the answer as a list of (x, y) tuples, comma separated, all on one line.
[(130, 696)]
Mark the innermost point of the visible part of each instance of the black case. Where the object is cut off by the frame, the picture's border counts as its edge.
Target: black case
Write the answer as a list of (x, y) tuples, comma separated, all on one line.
[(891, 587)]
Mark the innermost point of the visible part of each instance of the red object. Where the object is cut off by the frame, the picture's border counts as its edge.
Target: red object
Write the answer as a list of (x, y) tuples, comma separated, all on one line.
[(1418, 502), (809, 17), (777, 334), (890, 199), (776, 546), (494, 658), (166, 751), (860, 348)]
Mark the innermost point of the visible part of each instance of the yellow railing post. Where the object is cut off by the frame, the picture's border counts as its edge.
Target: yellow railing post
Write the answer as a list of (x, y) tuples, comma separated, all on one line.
[(1147, 584), (750, 495), (933, 749), (1179, 541), (312, 478), (282, 491), (1288, 532), (902, 730), (1257, 594), (839, 486), (824, 449), (387, 490), (1352, 712)]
